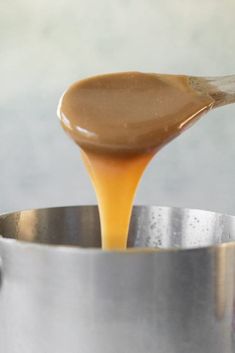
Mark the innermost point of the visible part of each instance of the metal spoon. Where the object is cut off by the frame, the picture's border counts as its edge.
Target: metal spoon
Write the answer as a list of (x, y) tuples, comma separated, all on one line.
[(132, 112), (221, 88)]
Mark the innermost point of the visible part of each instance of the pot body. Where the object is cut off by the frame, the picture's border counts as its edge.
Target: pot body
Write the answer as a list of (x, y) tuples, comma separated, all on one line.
[(60, 293)]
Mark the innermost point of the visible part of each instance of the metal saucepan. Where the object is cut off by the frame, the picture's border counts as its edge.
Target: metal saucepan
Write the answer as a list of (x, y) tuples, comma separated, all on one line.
[(59, 292)]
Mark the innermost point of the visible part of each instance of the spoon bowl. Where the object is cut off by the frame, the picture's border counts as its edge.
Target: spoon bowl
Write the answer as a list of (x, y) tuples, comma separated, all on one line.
[(135, 112)]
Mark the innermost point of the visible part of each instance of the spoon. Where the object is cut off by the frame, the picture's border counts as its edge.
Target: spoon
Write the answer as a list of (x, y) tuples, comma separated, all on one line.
[(121, 120), (132, 112), (220, 88)]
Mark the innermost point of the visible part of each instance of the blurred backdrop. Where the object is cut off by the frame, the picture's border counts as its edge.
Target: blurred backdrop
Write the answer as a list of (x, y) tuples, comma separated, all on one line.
[(46, 45)]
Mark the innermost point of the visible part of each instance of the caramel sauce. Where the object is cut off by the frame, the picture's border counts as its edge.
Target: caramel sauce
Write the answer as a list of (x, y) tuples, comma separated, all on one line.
[(120, 121)]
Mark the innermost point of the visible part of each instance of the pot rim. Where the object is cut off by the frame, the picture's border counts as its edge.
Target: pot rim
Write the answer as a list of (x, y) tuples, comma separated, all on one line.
[(71, 249)]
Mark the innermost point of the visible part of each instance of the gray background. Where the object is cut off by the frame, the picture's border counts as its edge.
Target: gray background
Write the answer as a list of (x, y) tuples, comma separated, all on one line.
[(45, 45)]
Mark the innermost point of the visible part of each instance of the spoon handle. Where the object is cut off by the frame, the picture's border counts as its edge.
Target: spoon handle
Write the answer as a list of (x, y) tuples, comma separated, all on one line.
[(221, 89)]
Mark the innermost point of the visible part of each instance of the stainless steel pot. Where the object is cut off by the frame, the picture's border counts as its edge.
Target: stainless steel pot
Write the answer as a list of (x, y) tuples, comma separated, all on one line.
[(60, 293)]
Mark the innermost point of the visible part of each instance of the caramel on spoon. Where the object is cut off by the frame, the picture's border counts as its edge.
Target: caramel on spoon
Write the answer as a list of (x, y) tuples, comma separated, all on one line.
[(121, 120)]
